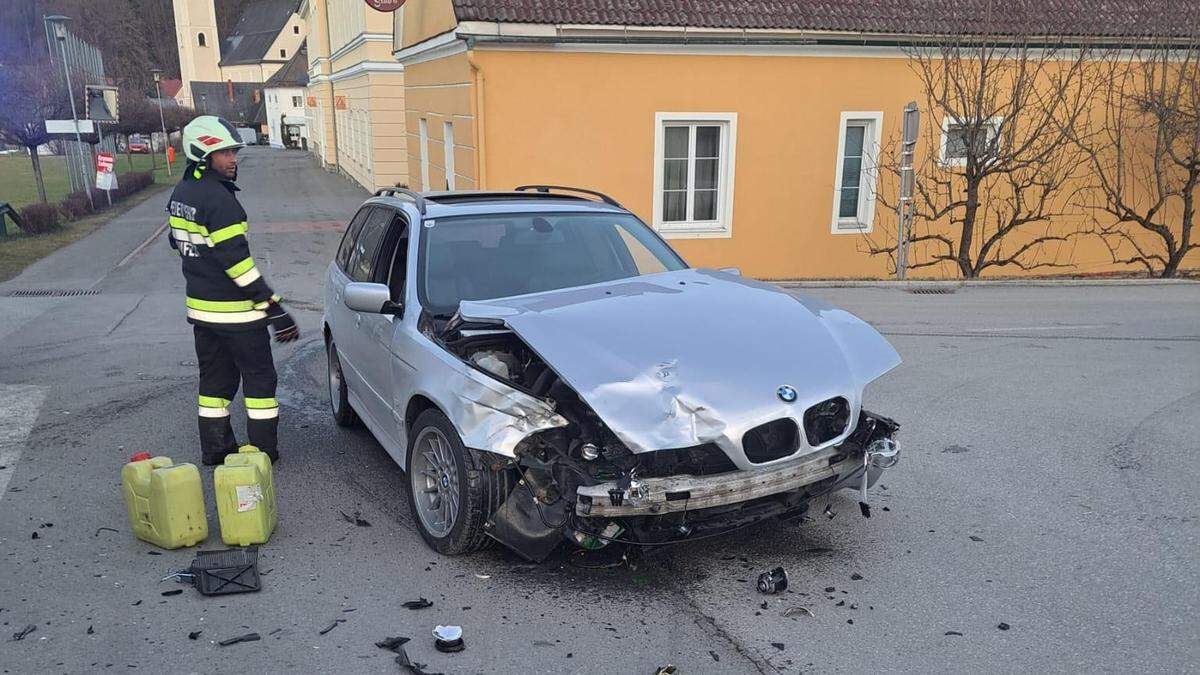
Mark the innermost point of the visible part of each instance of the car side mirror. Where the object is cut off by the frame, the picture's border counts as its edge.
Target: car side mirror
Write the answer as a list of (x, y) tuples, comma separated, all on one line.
[(371, 298), (736, 271)]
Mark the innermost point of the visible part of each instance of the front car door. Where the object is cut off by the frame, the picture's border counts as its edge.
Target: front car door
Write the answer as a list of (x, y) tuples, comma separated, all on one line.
[(339, 317)]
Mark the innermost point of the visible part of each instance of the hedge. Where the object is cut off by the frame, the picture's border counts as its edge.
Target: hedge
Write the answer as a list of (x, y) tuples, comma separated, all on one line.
[(39, 218)]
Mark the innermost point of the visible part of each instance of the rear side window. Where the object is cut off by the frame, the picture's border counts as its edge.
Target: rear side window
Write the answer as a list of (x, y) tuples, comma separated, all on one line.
[(361, 266), (343, 254)]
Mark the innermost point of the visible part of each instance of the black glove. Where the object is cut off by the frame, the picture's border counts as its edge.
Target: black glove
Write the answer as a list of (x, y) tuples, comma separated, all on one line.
[(282, 324)]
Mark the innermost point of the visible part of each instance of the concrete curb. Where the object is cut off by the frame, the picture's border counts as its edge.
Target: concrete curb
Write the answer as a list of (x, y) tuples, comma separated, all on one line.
[(957, 284)]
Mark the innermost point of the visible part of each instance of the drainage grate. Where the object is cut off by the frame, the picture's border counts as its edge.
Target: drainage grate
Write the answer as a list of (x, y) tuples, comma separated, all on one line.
[(52, 292), (931, 291)]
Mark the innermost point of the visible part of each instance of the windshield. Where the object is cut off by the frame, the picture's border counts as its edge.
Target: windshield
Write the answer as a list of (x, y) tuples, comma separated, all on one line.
[(496, 256)]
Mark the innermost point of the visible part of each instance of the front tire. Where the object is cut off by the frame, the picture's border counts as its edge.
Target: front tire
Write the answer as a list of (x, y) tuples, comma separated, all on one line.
[(339, 395), (451, 494)]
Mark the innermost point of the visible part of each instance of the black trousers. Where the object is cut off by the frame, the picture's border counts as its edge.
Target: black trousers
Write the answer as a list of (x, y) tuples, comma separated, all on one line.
[(226, 357)]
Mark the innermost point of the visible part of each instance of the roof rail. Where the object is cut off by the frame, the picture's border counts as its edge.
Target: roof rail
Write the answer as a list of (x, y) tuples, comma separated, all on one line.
[(395, 191), (547, 188)]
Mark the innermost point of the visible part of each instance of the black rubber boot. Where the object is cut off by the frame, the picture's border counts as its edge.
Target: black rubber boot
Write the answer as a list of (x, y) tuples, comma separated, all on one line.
[(216, 440)]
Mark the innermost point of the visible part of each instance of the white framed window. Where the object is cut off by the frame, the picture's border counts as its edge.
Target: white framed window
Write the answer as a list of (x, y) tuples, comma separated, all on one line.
[(856, 172), (297, 102), (694, 159), (955, 141), (423, 131), (448, 148)]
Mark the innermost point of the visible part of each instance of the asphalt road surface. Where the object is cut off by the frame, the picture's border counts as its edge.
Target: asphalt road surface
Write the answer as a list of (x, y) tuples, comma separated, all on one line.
[(1048, 483)]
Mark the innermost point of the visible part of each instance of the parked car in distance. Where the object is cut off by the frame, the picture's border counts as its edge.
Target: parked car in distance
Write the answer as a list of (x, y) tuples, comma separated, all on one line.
[(138, 145), (545, 368)]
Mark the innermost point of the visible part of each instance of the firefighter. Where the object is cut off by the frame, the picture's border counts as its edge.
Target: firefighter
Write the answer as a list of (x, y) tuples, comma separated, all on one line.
[(229, 304)]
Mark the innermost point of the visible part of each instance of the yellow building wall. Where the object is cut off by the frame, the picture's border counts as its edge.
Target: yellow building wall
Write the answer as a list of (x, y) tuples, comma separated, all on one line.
[(588, 120), (370, 129), (423, 19), (442, 91)]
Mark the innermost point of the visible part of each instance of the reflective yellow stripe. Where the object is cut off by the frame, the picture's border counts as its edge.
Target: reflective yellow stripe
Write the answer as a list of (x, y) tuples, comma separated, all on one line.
[(220, 305), (262, 305), (247, 278), (213, 402), (261, 403), (226, 317), (240, 268), (228, 232), (185, 224), (255, 414)]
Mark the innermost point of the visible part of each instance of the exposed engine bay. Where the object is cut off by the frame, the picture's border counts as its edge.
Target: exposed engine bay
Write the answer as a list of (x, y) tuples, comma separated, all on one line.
[(581, 483)]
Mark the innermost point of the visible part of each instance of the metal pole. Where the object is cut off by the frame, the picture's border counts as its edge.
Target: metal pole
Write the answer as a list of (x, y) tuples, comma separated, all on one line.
[(163, 122), (75, 117)]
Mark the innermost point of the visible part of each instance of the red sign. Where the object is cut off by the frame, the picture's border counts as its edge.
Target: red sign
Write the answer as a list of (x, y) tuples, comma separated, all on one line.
[(339, 102), (311, 101), (385, 5), (104, 162)]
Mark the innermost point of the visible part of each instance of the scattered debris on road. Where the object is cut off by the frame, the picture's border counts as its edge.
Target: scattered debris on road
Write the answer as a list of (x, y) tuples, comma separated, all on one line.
[(105, 529), (865, 508), (448, 639), (1003, 626), (331, 626), (194, 635), (393, 643), (420, 603), (797, 611), (778, 645), (667, 670), (953, 632), (91, 630), (829, 512), (356, 519), (772, 582), (974, 538), (20, 635), (177, 591), (856, 577), (248, 637)]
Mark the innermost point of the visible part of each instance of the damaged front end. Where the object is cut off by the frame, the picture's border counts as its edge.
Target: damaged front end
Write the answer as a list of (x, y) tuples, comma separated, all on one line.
[(580, 481)]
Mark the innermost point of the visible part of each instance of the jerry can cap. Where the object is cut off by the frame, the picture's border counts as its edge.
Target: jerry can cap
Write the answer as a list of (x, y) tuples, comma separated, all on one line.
[(140, 456), (248, 448)]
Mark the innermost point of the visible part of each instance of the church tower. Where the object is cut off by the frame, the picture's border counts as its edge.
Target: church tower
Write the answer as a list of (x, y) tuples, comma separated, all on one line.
[(199, 45)]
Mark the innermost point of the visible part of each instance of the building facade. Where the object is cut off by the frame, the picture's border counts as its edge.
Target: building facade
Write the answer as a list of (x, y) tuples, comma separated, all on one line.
[(266, 35), (355, 94), (284, 94), (747, 137)]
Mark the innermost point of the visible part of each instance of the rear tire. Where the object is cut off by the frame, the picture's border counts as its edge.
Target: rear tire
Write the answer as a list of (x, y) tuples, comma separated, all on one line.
[(339, 395), (451, 494)]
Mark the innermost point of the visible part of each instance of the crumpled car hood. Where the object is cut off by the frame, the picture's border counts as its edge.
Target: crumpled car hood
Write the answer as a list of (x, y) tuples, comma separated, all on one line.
[(683, 358)]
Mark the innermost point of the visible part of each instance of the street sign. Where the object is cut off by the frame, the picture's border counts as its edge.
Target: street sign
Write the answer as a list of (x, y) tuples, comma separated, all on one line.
[(68, 127), (106, 179), (385, 5), (101, 104)]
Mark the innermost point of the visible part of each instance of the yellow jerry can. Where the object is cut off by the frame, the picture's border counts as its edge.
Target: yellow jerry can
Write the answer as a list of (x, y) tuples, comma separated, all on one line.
[(245, 497), (165, 501)]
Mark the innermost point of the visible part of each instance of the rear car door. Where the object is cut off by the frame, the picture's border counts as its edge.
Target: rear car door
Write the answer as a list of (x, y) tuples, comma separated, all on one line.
[(377, 330), (359, 348), (340, 317)]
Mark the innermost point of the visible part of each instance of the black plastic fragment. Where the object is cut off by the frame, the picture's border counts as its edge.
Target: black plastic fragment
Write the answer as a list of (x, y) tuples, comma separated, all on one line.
[(102, 529), (1003, 626), (20, 635), (865, 508), (248, 637), (35, 535), (331, 626), (974, 538), (194, 635), (177, 591), (449, 646), (715, 656), (420, 603), (778, 645), (392, 643), (856, 577), (953, 632)]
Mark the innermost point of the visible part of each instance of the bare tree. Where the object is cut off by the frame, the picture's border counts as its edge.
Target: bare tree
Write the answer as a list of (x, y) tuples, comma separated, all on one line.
[(994, 180), (1142, 142), (31, 94)]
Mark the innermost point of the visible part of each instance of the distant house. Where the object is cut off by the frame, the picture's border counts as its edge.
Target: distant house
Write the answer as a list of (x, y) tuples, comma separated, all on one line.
[(745, 132), (284, 94), (265, 37)]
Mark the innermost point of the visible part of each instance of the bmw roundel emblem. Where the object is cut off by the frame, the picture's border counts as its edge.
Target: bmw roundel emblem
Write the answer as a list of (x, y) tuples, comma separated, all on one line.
[(786, 393)]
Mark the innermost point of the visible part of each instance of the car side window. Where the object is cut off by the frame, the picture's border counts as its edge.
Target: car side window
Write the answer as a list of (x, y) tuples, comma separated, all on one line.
[(398, 272), (347, 246), (366, 247)]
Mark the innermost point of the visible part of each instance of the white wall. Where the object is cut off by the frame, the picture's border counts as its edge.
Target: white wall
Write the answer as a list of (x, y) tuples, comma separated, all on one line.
[(282, 101)]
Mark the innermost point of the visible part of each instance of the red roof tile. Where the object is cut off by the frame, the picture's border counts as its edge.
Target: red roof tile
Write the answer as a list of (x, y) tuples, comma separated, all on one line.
[(1089, 18)]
